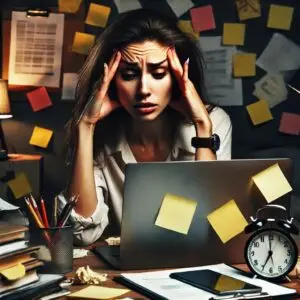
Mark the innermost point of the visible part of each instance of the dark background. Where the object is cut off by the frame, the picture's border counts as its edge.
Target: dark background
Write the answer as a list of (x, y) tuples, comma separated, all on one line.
[(247, 139)]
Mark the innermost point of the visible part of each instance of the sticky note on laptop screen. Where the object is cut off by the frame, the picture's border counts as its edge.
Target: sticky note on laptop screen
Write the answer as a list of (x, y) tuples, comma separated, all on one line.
[(20, 185), (176, 213), (272, 183), (227, 221), (98, 292)]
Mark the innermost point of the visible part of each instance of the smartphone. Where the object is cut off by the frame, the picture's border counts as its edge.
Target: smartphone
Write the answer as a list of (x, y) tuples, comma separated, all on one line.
[(216, 283)]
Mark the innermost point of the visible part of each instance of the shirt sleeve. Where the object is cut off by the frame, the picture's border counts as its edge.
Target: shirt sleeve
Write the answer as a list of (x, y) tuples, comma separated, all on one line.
[(88, 230)]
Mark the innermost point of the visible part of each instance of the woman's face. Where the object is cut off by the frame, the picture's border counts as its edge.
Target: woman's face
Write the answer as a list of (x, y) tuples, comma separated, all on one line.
[(143, 80)]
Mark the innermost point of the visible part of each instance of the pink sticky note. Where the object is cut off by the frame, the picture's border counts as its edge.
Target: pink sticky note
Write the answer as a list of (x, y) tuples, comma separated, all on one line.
[(290, 123), (203, 18), (39, 99)]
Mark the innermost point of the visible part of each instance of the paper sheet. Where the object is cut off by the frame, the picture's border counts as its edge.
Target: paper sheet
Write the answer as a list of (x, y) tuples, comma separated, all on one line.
[(69, 6), (97, 15), (203, 18), (186, 26), (227, 221), (259, 112), (98, 292), (248, 9), (222, 89), (180, 7), (244, 64), (176, 213), (290, 123), (36, 50), (82, 42), (280, 17), (69, 86), (39, 99), (271, 88), (20, 186), (234, 34), (287, 50), (272, 183), (127, 5), (40, 137)]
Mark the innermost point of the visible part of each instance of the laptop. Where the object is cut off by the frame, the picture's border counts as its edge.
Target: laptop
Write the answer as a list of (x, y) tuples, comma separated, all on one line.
[(211, 184)]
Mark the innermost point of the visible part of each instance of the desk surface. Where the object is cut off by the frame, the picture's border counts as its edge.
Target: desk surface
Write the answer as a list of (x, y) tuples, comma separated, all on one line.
[(96, 264)]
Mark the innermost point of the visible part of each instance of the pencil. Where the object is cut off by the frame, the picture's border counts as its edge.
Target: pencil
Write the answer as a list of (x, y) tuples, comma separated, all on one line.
[(35, 207), (44, 213)]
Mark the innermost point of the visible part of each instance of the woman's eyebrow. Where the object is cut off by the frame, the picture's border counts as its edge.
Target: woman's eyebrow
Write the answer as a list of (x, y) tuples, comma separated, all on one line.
[(135, 64)]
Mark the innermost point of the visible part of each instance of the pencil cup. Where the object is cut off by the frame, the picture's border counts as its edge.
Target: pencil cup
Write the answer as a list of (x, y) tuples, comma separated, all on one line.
[(56, 248)]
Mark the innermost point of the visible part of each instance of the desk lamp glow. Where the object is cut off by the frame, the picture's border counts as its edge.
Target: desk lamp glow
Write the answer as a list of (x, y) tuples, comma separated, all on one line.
[(5, 113)]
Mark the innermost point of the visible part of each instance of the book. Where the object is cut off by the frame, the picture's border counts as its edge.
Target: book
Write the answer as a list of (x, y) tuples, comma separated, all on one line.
[(10, 233)]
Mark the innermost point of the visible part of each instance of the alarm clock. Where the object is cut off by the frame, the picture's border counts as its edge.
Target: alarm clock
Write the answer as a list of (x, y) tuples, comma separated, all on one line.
[(271, 252)]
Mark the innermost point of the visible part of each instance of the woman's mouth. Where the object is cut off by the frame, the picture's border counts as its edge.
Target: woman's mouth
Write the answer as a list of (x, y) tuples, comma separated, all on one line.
[(145, 108)]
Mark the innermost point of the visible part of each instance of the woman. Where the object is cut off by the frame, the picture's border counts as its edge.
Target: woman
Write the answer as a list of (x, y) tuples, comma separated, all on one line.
[(140, 98)]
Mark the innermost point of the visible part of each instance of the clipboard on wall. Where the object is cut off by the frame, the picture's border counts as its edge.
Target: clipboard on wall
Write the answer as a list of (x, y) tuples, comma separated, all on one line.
[(71, 62)]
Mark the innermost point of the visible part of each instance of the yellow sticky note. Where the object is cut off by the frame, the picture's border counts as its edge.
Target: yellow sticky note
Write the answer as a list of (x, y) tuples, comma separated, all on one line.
[(244, 64), (259, 112), (226, 283), (40, 137), (20, 186), (97, 15), (248, 9), (234, 34), (13, 273), (186, 26), (227, 221), (272, 183), (68, 6), (98, 292), (176, 213), (82, 42), (280, 17)]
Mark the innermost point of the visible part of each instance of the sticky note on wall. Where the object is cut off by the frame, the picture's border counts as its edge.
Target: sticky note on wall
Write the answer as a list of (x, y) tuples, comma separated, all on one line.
[(20, 186), (280, 17), (227, 221), (203, 18), (259, 112), (248, 9), (97, 15), (272, 183), (40, 137), (176, 213), (82, 42), (39, 99), (244, 64), (234, 34)]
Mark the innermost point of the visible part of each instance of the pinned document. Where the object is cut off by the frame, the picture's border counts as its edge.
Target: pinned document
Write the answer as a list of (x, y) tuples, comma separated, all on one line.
[(280, 17), (180, 7), (227, 221), (272, 183), (39, 99), (82, 42), (68, 6), (259, 112), (98, 292), (20, 186), (248, 9), (234, 34), (244, 64), (203, 18), (186, 26), (290, 123), (40, 137), (97, 15), (176, 213)]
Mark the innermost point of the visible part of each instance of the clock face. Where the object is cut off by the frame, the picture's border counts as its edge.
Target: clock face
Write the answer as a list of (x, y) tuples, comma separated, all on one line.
[(271, 253)]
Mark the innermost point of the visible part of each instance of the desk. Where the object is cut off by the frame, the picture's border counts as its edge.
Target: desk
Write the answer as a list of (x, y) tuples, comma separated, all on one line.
[(99, 266)]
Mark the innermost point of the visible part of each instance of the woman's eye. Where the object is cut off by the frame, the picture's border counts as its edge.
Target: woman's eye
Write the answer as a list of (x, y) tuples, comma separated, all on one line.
[(159, 75)]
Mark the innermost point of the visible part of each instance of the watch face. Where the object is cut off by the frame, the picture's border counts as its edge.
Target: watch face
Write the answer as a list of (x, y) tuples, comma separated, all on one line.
[(271, 253)]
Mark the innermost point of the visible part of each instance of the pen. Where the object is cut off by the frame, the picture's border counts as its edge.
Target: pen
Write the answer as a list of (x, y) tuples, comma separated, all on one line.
[(44, 213), (36, 209)]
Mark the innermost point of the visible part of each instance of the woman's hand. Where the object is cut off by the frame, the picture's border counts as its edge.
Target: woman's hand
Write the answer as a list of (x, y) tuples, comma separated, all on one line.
[(101, 105), (191, 104)]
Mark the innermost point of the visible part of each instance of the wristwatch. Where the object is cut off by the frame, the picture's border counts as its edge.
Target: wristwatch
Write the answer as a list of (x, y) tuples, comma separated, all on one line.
[(212, 142)]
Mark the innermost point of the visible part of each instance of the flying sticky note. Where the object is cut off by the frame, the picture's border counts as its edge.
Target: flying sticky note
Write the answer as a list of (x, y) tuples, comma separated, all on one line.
[(203, 18), (227, 221), (97, 15), (69, 86), (20, 186), (244, 64), (39, 99), (290, 123), (13, 273), (186, 26), (259, 112), (176, 213), (234, 34), (82, 42), (280, 17), (272, 183), (248, 9), (68, 6), (98, 292), (40, 137), (225, 283)]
